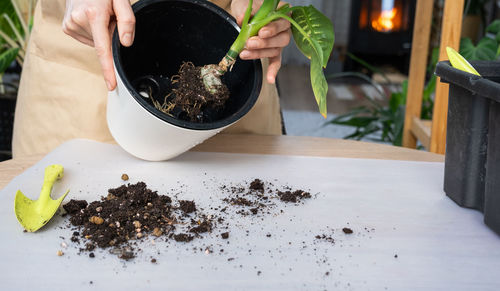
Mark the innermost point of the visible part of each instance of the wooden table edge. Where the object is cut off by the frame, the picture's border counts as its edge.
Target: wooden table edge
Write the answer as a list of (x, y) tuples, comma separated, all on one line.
[(268, 144)]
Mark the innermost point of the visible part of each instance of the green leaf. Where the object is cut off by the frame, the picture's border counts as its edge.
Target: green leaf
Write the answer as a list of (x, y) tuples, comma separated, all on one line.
[(459, 62), (317, 27), (6, 58), (485, 50), (7, 9), (494, 27), (318, 83)]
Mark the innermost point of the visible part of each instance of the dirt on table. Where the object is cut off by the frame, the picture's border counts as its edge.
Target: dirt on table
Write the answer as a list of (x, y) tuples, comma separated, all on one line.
[(128, 213), (132, 212)]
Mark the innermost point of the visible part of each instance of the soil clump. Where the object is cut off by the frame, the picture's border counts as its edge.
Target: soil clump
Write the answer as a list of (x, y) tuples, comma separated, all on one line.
[(190, 100)]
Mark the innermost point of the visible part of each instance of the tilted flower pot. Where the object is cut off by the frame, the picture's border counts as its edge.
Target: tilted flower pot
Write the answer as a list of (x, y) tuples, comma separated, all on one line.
[(168, 33), (472, 162)]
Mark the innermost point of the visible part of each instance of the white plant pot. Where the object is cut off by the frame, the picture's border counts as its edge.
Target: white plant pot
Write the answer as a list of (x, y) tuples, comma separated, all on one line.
[(169, 32)]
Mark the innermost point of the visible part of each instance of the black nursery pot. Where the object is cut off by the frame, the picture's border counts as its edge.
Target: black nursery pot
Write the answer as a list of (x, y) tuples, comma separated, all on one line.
[(472, 161), (170, 32)]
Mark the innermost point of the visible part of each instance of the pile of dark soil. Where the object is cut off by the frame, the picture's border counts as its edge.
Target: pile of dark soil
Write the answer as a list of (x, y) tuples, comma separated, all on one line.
[(132, 212), (190, 100)]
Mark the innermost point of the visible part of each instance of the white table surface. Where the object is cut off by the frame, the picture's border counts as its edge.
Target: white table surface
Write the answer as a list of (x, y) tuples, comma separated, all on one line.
[(393, 207)]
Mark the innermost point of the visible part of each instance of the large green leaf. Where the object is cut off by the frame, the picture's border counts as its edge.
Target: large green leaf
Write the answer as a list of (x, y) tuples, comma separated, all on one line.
[(316, 26), (6, 58), (485, 50)]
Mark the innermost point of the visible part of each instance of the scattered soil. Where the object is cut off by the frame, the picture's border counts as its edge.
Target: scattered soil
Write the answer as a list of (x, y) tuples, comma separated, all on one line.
[(183, 237), (132, 212), (189, 99), (347, 230), (187, 206), (259, 197), (257, 185), (289, 196), (325, 237)]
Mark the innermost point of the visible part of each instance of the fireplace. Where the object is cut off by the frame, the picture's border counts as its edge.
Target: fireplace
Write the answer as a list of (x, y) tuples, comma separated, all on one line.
[(381, 32)]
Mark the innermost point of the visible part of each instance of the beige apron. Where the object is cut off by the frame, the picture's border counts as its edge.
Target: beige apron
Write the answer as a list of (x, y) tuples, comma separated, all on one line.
[(62, 93)]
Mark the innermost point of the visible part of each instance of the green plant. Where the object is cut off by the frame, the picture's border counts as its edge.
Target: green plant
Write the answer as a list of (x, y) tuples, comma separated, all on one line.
[(312, 32), (487, 49), (14, 33), (378, 122)]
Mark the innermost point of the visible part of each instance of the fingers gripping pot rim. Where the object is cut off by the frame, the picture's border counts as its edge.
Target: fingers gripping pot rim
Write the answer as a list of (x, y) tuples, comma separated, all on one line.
[(169, 32)]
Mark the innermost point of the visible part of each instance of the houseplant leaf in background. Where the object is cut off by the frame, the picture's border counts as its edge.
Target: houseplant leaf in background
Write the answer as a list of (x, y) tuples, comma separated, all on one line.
[(6, 58), (16, 18), (485, 50), (494, 28)]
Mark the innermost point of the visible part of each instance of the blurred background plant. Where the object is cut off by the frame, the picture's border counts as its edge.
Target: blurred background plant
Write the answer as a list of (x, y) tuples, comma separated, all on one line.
[(487, 48), (383, 123), (16, 19)]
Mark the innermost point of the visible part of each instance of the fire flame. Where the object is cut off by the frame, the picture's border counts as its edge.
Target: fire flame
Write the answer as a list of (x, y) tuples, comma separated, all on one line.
[(385, 21)]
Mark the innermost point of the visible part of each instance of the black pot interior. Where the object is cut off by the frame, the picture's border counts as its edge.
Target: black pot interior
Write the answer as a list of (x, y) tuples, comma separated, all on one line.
[(170, 32)]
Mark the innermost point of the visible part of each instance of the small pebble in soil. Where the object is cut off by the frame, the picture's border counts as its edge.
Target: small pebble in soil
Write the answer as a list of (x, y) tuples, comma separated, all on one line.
[(96, 220), (157, 232), (225, 235)]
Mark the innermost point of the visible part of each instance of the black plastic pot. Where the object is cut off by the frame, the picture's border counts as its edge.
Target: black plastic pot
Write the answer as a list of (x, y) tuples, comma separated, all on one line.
[(170, 32), (472, 162)]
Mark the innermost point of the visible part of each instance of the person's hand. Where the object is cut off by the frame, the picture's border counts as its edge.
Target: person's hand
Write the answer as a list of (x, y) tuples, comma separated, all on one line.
[(92, 22), (270, 41)]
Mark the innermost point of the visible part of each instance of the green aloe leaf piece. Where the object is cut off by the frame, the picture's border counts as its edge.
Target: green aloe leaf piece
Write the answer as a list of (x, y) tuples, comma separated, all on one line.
[(485, 50), (318, 27), (6, 58), (459, 62)]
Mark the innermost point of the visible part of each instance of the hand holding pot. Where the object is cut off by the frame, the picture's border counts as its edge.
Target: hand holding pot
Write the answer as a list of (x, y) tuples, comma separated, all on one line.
[(92, 22), (270, 41)]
